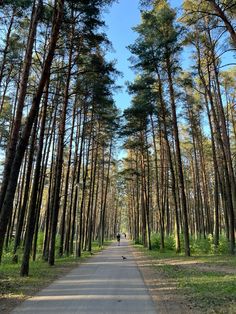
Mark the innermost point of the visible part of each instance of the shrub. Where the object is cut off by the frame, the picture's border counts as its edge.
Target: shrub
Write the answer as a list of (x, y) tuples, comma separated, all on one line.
[(170, 242), (223, 247), (40, 241), (198, 246), (201, 245), (156, 241), (138, 241)]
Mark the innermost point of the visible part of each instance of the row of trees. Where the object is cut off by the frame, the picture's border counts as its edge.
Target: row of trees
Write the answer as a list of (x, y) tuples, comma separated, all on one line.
[(180, 128), (58, 123)]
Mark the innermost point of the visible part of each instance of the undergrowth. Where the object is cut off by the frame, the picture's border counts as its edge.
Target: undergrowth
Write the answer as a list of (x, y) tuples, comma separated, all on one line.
[(211, 289)]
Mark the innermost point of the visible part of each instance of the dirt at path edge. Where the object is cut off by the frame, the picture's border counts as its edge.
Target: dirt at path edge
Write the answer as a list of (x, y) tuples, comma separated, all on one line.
[(162, 289)]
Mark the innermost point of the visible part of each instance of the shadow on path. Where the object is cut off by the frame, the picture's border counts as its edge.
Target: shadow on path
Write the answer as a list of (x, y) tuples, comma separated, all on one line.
[(104, 284)]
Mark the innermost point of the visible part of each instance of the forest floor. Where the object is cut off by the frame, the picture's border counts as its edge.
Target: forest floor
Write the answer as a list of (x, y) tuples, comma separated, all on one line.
[(15, 289), (109, 282), (198, 284), (177, 285)]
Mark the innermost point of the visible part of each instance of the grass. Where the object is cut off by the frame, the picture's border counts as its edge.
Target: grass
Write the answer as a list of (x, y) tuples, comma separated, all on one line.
[(211, 291), (41, 274), (214, 291), (220, 260)]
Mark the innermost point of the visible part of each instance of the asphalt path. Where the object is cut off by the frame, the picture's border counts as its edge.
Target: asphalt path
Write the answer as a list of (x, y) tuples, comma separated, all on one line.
[(105, 283)]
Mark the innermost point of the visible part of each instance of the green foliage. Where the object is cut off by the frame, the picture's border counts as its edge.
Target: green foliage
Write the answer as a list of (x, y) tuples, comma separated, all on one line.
[(201, 245), (40, 241), (156, 242), (23, 4), (170, 242), (138, 241), (223, 247), (198, 246), (206, 245)]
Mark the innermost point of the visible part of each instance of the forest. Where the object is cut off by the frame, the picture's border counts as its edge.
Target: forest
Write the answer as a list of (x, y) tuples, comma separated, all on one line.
[(75, 169)]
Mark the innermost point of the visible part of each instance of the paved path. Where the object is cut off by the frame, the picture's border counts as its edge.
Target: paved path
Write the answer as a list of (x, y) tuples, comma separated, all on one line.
[(103, 284)]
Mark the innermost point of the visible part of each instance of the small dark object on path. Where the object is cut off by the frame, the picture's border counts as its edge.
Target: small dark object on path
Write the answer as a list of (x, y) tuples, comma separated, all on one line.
[(124, 257)]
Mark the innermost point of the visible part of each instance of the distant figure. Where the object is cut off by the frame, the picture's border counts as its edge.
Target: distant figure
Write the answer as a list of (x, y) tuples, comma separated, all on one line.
[(118, 238), (125, 235), (124, 258)]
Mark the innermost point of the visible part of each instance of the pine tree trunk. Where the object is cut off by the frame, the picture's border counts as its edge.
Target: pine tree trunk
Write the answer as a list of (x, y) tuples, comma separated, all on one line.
[(30, 231), (220, 12), (179, 159), (23, 142), (11, 148)]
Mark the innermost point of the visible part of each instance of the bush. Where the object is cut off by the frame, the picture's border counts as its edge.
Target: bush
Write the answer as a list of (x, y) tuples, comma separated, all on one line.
[(138, 241), (223, 247), (207, 246), (7, 257), (201, 245), (40, 242), (197, 246), (169, 242), (156, 241)]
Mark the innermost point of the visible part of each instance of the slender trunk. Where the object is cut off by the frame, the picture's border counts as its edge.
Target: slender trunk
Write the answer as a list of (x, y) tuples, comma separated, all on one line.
[(62, 231), (179, 159), (173, 180), (33, 200), (105, 193), (221, 13), (85, 174), (23, 142), (70, 221), (23, 208), (59, 163), (11, 149), (91, 199)]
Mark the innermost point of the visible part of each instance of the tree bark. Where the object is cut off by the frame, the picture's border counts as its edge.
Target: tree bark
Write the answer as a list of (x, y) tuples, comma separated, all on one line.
[(23, 142)]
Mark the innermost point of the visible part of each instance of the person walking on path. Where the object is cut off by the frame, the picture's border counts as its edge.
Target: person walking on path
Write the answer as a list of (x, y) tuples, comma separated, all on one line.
[(104, 284), (118, 238)]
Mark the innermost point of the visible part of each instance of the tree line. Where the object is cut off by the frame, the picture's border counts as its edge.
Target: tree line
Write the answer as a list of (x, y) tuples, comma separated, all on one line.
[(61, 184), (179, 131), (58, 125)]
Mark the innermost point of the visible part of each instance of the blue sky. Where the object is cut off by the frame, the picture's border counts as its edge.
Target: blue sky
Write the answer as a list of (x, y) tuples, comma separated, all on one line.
[(120, 18)]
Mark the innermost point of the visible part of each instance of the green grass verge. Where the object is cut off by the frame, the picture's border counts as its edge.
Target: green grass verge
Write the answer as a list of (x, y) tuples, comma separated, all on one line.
[(40, 275), (210, 291), (207, 290)]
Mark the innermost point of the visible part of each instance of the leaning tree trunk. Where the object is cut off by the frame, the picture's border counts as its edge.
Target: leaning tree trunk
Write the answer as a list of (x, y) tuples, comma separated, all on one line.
[(11, 149), (23, 208), (33, 200), (221, 14), (23, 142)]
